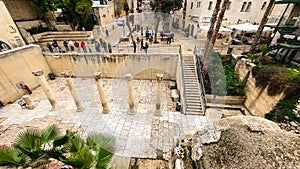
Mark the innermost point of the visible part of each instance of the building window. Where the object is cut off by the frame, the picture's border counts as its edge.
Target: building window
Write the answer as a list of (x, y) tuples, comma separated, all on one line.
[(210, 5), (263, 7), (192, 4), (206, 19), (228, 5), (248, 7), (198, 4), (243, 7)]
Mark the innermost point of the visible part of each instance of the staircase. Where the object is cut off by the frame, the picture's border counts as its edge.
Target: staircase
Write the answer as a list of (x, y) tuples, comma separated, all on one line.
[(192, 90)]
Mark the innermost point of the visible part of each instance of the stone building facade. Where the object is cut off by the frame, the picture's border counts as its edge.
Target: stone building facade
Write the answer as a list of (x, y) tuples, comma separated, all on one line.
[(238, 11), (10, 36)]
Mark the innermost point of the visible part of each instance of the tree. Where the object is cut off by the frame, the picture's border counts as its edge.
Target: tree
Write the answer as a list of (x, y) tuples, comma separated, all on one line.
[(260, 29), (168, 5), (208, 44), (34, 148), (219, 22), (76, 11)]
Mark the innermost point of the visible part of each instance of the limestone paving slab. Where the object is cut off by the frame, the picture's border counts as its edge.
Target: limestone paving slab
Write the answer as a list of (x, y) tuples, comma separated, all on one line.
[(137, 135)]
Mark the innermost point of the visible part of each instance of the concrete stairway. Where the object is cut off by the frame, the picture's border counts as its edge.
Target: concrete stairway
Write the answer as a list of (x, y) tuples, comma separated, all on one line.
[(192, 90)]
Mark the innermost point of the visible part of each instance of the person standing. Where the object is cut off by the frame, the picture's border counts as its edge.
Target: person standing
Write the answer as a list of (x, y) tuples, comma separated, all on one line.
[(76, 44), (134, 46), (104, 46), (71, 45), (66, 45), (106, 32), (142, 44), (109, 47), (97, 46), (49, 47), (146, 47), (82, 44)]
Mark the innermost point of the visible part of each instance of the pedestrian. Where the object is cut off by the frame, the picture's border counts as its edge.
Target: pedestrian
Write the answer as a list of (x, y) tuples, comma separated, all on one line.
[(169, 39), (71, 45), (146, 47), (92, 38), (104, 46), (142, 44), (49, 47), (134, 46), (147, 35), (97, 46), (55, 45), (109, 48), (82, 45), (106, 32), (76, 44), (66, 45)]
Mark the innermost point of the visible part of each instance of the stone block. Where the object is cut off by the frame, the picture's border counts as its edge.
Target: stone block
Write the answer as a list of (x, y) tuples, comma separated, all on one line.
[(174, 95), (172, 85)]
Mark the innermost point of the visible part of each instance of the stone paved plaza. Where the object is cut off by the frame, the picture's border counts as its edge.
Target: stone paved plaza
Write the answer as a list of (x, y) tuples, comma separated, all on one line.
[(138, 135)]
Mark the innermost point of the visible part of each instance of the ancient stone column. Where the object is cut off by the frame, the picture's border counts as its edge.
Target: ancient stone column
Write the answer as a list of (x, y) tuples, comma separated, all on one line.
[(159, 78), (128, 76), (45, 86), (97, 76), (68, 75), (29, 104)]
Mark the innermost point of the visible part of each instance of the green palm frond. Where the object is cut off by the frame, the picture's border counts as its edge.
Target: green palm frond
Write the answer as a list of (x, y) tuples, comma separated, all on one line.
[(82, 159), (103, 158), (11, 156), (28, 139), (104, 141), (50, 133), (104, 145), (77, 144)]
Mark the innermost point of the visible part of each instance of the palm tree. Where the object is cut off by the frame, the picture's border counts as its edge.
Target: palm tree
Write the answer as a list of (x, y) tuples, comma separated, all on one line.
[(259, 31), (34, 148), (208, 44), (219, 22)]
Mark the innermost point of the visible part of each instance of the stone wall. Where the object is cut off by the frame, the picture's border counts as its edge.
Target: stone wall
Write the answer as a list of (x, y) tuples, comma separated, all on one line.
[(16, 65), (9, 32), (141, 66), (258, 102), (21, 9)]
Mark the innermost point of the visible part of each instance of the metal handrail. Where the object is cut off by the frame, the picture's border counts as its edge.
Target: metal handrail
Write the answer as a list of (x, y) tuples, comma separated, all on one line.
[(200, 77)]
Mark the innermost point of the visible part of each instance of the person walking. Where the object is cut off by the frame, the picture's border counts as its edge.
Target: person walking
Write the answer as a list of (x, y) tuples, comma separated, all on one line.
[(82, 45), (106, 32)]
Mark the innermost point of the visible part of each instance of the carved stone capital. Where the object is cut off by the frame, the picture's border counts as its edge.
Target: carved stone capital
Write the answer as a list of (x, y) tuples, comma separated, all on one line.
[(128, 76), (97, 76), (38, 72), (67, 73), (159, 77)]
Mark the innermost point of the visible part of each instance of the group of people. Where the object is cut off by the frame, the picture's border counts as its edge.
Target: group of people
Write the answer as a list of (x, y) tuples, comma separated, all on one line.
[(143, 47), (80, 46)]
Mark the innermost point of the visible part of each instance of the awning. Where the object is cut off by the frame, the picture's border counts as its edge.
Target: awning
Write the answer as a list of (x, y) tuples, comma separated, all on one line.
[(222, 29), (247, 27), (287, 1)]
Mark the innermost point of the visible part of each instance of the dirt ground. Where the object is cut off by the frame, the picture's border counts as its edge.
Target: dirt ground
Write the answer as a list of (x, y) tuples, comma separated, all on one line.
[(243, 147)]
